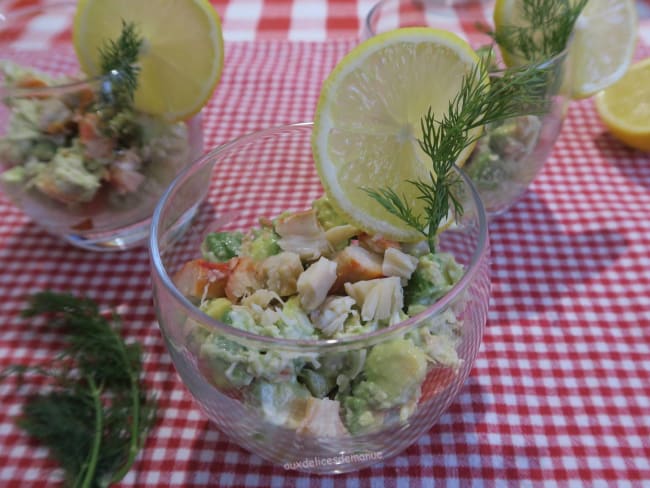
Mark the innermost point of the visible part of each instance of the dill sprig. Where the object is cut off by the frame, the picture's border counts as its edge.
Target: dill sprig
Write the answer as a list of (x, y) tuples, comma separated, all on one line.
[(96, 414), (549, 24), (118, 61), (118, 64), (480, 101)]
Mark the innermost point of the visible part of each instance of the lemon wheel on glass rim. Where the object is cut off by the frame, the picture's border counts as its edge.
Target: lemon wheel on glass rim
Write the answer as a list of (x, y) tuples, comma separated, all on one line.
[(180, 66), (602, 44), (367, 121)]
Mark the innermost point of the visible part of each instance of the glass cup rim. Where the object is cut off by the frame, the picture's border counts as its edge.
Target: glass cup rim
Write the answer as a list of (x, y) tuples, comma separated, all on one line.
[(304, 345), (54, 90), (50, 91), (558, 57)]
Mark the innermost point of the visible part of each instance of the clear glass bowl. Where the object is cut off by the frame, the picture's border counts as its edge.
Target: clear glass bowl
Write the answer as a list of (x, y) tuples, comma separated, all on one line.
[(510, 155), (386, 15), (57, 162), (262, 174)]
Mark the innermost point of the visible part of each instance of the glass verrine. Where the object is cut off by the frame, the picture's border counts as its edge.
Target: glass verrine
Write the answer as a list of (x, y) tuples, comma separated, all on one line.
[(386, 15), (73, 163), (510, 154), (252, 386)]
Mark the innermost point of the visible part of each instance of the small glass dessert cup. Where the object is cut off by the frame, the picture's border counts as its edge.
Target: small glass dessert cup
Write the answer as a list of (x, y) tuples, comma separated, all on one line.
[(76, 164), (510, 154), (386, 15), (253, 386)]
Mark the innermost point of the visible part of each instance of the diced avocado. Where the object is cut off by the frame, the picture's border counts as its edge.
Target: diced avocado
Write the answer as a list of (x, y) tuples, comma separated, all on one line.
[(318, 384), (217, 308), (240, 318), (341, 368), (14, 175), (393, 373), (225, 375), (396, 368), (336, 372), (68, 168), (265, 245), (260, 244), (223, 361), (296, 323), (221, 246), (358, 416), (433, 277), (125, 127), (44, 150), (67, 178), (327, 216)]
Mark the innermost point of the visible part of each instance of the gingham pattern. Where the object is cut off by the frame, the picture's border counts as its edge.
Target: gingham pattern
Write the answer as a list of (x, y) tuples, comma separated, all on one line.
[(293, 20), (559, 395), (559, 392), (242, 20)]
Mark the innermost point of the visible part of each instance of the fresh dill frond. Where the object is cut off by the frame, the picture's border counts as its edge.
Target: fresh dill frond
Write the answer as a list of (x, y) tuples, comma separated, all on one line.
[(118, 62), (397, 205), (481, 100), (549, 24), (120, 70), (96, 413)]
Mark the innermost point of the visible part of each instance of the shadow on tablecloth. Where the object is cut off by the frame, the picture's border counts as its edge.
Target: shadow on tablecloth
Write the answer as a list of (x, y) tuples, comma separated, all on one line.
[(633, 164), (45, 262), (539, 261)]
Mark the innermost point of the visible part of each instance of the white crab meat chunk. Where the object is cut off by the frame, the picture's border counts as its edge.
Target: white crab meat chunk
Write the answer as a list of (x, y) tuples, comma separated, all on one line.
[(281, 273), (260, 305), (315, 282), (442, 350), (301, 233), (54, 116), (261, 298), (332, 314), (322, 419), (379, 299), (398, 263)]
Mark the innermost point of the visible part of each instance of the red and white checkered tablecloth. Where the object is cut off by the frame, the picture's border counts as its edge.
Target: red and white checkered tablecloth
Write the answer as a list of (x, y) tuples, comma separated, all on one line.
[(560, 393), (289, 20)]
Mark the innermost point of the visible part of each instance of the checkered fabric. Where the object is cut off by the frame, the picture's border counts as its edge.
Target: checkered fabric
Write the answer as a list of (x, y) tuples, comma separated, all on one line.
[(560, 392), (293, 20)]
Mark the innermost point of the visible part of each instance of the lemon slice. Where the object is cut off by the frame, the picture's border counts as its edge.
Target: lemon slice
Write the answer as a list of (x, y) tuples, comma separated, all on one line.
[(367, 120), (624, 107), (509, 13), (603, 43), (182, 54)]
